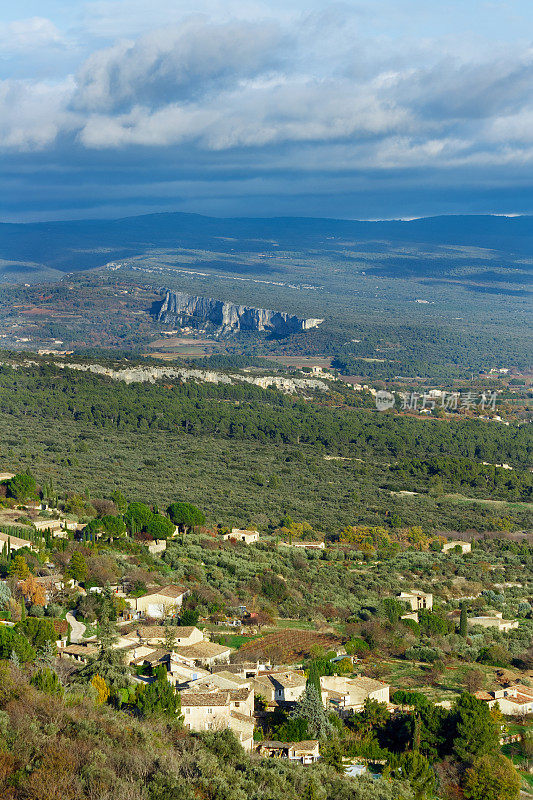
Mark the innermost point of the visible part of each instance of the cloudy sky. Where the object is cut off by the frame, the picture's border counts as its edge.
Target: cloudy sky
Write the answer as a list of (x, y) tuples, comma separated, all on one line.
[(356, 109)]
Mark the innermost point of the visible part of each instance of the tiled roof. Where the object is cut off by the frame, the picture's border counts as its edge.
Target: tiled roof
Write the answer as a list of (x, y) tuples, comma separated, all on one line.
[(160, 631), (196, 699), (201, 650), (14, 540), (171, 591), (368, 684)]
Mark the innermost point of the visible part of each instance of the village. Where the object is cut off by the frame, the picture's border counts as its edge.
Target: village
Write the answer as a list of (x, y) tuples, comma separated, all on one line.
[(158, 636)]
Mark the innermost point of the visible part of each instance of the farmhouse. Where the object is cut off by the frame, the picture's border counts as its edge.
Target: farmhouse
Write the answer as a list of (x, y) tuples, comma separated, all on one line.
[(217, 710), (417, 600), (14, 542), (238, 535), (345, 695), (159, 602), (306, 752), (494, 621), (157, 634), (280, 687), (202, 653), (305, 545), (514, 701), (466, 547)]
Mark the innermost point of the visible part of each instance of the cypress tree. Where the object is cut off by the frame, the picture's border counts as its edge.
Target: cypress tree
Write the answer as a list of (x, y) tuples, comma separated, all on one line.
[(463, 622)]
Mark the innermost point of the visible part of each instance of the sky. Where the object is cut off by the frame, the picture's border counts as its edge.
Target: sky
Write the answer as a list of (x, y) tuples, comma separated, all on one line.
[(364, 109)]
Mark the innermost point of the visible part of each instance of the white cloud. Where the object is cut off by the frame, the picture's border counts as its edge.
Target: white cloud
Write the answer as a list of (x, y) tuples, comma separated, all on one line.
[(33, 114), (28, 34)]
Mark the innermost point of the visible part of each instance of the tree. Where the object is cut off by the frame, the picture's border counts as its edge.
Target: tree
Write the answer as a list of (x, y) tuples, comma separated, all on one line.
[(5, 594), (33, 592), (159, 527), (463, 622), (102, 692), (393, 609), (114, 526), (159, 697), (12, 642), (77, 567), (120, 501), (189, 616), (170, 637), (19, 568), (476, 734), (418, 771), (185, 515), (137, 516), (22, 487), (332, 755), (37, 631), (491, 778), (46, 680), (473, 679), (309, 708)]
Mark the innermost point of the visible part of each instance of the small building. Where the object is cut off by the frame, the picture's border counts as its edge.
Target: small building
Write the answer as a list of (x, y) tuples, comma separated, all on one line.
[(465, 547), (78, 652), (156, 634), (162, 601), (43, 524), (6, 476), (417, 599), (514, 701), (306, 752), (14, 542), (494, 621), (220, 680), (305, 545), (218, 710), (205, 654), (156, 547), (238, 535), (346, 695), (280, 687)]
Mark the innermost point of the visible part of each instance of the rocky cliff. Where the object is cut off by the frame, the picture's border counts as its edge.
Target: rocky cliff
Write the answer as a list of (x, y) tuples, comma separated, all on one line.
[(177, 306)]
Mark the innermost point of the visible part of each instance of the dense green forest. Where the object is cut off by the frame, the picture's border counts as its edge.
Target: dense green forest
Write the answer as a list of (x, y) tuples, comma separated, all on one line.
[(248, 454)]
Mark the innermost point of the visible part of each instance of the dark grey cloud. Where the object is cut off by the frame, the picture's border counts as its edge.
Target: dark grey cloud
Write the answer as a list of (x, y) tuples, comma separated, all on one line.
[(215, 108), (177, 64)]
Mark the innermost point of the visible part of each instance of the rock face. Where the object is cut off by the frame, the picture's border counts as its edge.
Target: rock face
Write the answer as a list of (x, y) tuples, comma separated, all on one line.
[(228, 316)]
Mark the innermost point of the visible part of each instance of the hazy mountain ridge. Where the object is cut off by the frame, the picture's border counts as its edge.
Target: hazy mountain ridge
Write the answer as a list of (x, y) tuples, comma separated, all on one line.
[(84, 244)]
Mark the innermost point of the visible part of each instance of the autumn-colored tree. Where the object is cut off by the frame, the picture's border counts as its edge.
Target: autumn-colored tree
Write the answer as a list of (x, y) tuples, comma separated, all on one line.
[(102, 691), (33, 591)]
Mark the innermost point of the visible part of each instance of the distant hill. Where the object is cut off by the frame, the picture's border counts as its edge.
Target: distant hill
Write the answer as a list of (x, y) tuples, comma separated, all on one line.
[(78, 245)]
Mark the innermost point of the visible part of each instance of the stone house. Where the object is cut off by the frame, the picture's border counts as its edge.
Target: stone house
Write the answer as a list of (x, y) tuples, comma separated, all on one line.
[(162, 601), (306, 752), (217, 710), (514, 701), (346, 695), (204, 654), (466, 547), (494, 621), (417, 599), (156, 634), (238, 535), (280, 687)]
